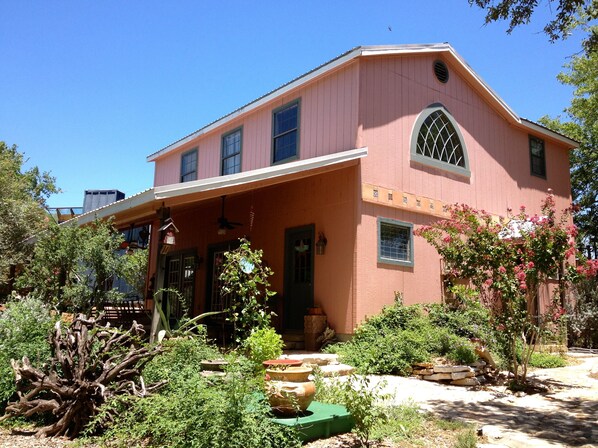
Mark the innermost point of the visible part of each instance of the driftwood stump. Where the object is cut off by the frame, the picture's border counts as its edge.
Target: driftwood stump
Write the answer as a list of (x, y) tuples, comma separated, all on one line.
[(90, 364)]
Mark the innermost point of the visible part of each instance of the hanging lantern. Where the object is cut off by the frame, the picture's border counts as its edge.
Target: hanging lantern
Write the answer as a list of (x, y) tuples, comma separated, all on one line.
[(169, 230), (169, 238)]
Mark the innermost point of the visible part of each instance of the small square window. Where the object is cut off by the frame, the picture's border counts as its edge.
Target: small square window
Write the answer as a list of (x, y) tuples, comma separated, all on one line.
[(231, 152), (395, 242), (189, 166), (537, 157), (285, 132)]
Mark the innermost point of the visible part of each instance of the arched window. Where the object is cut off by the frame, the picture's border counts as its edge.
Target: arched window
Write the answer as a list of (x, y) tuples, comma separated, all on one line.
[(437, 141)]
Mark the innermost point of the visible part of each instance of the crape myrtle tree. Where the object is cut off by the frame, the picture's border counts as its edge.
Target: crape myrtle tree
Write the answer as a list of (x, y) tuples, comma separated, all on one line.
[(507, 259)]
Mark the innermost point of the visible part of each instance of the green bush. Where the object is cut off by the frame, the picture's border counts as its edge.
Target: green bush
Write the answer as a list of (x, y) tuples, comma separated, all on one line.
[(547, 361), (463, 352), (181, 358), (198, 412), (390, 342), (24, 329), (362, 399), (263, 344)]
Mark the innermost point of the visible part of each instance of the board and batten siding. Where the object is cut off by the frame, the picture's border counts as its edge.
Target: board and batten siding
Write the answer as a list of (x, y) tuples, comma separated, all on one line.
[(328, 124), (393, 92)]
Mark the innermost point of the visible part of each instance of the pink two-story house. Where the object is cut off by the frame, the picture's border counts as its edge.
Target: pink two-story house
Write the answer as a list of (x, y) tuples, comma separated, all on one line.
[(330, 174)]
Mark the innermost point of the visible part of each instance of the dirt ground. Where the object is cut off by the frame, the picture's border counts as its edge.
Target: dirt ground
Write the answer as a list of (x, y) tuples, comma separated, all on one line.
[(565, 416)]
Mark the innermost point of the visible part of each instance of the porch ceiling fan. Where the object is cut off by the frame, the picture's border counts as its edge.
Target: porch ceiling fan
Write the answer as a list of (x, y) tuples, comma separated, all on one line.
[(223, 223)]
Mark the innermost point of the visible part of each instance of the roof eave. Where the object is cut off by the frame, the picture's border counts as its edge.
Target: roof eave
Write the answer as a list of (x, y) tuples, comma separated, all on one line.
[(537, 128)]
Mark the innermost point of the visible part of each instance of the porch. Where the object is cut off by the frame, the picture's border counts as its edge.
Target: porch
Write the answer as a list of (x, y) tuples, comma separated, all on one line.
[(282, 210)]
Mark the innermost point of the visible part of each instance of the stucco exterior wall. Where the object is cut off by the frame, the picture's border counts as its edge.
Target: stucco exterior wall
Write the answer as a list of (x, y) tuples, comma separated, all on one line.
[(327, 201)]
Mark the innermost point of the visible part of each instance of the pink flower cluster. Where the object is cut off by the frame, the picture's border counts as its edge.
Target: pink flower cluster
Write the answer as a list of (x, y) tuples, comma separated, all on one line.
[(588, 269)]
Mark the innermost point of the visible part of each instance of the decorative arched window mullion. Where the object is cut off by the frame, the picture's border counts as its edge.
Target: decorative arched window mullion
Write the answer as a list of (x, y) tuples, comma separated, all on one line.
[(437, 141)]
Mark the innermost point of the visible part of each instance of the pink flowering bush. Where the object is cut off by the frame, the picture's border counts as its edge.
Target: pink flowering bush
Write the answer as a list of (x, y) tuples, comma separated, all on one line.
[(506, 259)]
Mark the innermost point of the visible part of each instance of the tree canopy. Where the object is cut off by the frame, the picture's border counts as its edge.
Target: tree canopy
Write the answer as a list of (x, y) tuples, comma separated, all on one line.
[(23, 195), (569, 15), (581, 124), (74, 267)]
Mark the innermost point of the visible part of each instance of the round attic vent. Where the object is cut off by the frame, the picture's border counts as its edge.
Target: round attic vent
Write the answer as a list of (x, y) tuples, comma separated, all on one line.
[(441, 71)]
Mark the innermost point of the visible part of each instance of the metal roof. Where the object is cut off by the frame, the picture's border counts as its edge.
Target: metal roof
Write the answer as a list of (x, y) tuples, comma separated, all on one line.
[(213, 187)]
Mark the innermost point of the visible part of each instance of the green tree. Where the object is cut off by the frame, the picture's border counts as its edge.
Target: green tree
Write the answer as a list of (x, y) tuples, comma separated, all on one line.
[(569, 15), (22, 200), (73, 267), (582, 125)]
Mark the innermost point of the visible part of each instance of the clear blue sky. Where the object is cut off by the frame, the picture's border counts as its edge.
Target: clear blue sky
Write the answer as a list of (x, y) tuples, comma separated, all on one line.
[(88, 89)]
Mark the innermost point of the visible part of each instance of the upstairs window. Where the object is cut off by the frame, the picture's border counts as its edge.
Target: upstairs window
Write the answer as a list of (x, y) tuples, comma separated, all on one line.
[(231, 152), (437, 141), (537, 157), (285, 132), (189, 166), (395, 242)]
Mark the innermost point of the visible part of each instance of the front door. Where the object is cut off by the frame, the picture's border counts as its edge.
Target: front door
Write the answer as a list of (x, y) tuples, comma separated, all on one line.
[(299, 275)]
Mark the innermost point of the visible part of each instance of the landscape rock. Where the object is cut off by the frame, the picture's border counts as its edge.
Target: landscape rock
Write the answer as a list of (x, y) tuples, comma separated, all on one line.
[(423, 365), (462, 375), (452, 369), (490, 431), (438, 377), (466, 382)]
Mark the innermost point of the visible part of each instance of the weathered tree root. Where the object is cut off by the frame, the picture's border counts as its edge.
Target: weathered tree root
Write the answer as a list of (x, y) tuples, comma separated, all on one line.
[(90, 365)]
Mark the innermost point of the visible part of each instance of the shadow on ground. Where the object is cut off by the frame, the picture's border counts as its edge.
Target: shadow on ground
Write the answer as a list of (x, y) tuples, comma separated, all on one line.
[(568, 421)]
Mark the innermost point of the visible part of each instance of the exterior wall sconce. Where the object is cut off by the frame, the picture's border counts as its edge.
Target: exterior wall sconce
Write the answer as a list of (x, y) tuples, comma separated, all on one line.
[(321, 244)]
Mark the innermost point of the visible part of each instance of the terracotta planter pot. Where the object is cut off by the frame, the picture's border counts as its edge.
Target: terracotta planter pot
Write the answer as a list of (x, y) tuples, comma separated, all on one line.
[(281, 364), (289, 391), (293, 374)]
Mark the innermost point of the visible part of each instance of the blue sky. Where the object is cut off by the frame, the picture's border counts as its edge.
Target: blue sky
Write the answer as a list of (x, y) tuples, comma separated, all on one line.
[(89, 89)]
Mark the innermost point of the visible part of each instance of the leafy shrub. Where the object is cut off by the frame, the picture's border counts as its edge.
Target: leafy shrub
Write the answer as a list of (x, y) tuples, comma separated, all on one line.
[(463, 352), (464, 316), (198, 412), (547, 361), (389, 343), (181, 358), (263, 344), (360, 397), (24, 329)]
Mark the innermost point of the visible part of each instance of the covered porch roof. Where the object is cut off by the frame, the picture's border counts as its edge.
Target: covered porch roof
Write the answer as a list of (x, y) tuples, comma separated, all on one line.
[(141, 208)]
